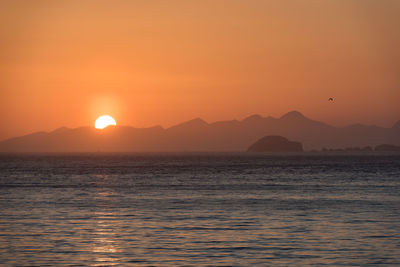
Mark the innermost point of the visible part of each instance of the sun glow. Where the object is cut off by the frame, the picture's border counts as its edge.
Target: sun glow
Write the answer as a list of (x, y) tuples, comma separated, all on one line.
[(104, 121)]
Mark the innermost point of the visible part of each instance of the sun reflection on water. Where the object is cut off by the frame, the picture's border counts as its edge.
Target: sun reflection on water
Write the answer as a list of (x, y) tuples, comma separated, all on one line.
[(104, 236)]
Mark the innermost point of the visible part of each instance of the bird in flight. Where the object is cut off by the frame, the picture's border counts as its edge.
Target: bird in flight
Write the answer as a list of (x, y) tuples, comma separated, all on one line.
[(330, 99)]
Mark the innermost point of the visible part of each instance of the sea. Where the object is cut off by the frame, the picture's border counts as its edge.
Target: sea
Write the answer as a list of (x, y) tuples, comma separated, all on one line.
[(200, 209)]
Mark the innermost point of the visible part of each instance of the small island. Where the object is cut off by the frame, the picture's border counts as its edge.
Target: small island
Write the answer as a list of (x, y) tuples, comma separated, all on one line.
[(275, 143), (387, 148)]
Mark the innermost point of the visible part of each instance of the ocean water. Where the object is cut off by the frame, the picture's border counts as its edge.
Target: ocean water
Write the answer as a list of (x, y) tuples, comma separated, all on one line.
[(199, 210)]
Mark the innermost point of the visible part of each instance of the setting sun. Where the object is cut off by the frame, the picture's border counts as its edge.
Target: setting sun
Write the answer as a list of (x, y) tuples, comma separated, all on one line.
[(104, 121)]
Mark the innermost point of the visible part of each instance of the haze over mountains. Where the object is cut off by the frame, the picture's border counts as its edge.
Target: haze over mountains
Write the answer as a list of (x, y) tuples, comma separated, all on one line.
[(198, 135)]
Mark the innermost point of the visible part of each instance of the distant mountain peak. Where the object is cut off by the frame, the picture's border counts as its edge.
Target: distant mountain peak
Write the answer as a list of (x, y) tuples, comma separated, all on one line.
[(254, 117), (61, 129), (196, 122), (293, 115)]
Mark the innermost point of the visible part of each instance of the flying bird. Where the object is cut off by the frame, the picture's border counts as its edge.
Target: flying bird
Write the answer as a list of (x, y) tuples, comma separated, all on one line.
[(330, 99)]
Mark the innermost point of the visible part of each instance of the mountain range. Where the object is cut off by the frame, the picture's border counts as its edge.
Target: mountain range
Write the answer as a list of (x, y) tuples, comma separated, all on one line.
[(198, 135)]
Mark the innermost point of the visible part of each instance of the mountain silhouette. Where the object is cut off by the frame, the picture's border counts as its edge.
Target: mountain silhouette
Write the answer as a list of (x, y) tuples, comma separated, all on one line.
[(198, 135), (293, 115)]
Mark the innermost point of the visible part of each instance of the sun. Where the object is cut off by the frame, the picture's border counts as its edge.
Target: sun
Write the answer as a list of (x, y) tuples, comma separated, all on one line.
[(104, 121)]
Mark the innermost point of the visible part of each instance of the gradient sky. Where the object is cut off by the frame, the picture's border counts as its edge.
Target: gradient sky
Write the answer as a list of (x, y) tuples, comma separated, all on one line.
[(64, 63)]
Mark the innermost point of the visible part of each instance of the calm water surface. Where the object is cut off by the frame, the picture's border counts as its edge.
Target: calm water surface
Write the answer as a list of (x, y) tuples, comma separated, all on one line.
[(199, 210)]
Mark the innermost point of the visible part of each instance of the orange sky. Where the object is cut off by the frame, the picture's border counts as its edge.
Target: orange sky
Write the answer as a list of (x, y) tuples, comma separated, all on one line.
[(63, 63)]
